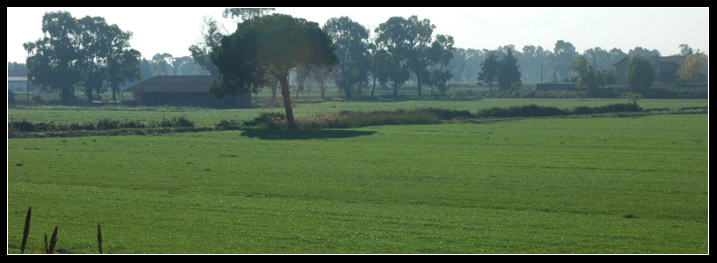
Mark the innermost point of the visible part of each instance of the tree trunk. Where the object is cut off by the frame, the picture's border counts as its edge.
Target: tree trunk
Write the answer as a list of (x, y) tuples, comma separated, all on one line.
[(67, 95), (273, 90), (322, 91), (89, 94), (286, 95), (418, 84)]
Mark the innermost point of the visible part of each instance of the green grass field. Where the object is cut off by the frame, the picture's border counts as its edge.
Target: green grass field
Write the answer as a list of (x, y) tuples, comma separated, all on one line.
[(542, 185)]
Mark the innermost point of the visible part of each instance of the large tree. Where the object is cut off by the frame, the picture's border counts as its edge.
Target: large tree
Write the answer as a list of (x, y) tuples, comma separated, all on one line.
[(53, 62), (589, 78), (270, 45), (201, 52), (106, 56), (564, 53), (351, 48), (489, 69), (84, 51), (246, 13), (694, 69), (439, 55), (640, 74), (407, 41), (509, 73)]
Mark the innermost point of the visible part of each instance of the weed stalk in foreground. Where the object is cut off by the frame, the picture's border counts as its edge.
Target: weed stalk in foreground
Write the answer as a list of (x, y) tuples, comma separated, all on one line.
[(26, 232), (53, 242), (99, 237)]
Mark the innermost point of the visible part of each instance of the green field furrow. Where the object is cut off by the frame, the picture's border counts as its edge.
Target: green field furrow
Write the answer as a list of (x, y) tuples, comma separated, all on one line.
[(545, 186)]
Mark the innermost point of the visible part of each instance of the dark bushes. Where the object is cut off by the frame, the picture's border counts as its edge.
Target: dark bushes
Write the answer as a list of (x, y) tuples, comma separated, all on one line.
[(174, 122), (612, 108), (269, 120), (521, 111), (354, 119), (25, 126), (541, 111)]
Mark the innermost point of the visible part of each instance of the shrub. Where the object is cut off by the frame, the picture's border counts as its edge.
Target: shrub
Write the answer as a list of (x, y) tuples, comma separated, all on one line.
[(353, 119), (81, 126), (228, 125), (521, 111), (107, 124), (268, 120), (131, 124), (21, 126), (540, 111), (444, 114), (174, 122)]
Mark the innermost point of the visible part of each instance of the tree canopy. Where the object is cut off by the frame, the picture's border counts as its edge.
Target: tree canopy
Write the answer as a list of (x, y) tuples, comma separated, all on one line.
[(408, 41), (352, 50), (489, 69), (694, 69), (84, 51), (509, 73), (270, 45), (640, 74)]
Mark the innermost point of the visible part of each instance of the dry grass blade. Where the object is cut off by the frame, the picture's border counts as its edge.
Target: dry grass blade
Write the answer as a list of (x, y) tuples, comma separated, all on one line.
[(99, 237), (53, 242), (46, 243), (26, 231)]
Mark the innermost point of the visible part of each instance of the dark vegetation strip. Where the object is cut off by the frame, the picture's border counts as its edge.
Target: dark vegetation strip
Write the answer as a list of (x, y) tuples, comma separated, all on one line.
[(342, 119), (26, 129), (353, 119)]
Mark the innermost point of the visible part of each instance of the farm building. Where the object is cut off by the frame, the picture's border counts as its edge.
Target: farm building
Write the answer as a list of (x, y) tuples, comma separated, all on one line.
[(693, 86), (555, 86), (665, 68), (183, 91), (19, 84)]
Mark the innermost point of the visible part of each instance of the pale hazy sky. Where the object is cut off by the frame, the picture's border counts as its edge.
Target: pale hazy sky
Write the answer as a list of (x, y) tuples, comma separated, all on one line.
[(173, 30)]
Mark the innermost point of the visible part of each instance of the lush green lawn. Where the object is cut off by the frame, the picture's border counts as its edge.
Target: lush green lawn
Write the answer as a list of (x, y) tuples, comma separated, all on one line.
[(525, 186)]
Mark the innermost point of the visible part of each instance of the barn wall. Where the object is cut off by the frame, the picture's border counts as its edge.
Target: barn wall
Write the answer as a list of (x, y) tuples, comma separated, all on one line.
[(188, 99)]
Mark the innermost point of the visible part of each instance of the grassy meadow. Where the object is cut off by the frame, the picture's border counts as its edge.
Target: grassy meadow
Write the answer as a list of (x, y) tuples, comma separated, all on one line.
[(601, 185)]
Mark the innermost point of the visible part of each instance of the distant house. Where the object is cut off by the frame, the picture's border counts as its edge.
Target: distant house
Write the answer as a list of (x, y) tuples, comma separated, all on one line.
[(183, 91), (693, 85), (665, 68), (19, 84), (555, 86)]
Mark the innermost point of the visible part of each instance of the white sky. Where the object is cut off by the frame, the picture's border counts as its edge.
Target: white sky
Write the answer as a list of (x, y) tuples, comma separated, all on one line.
[(173, 30)]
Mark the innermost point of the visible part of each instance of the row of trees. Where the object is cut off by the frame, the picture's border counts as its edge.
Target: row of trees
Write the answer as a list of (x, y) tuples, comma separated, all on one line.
[(399, 49), (641, 72), (505, 71), (538, 64), (87, 52), (267, 48), (93, 55)]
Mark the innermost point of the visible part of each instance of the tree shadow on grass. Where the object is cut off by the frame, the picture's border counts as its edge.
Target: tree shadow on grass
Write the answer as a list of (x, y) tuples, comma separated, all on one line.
[(302, 134)]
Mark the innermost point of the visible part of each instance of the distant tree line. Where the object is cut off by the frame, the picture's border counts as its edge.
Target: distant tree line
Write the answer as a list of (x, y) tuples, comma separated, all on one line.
[(90, 55), (15, 69), (87, 53), (538, 64)]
